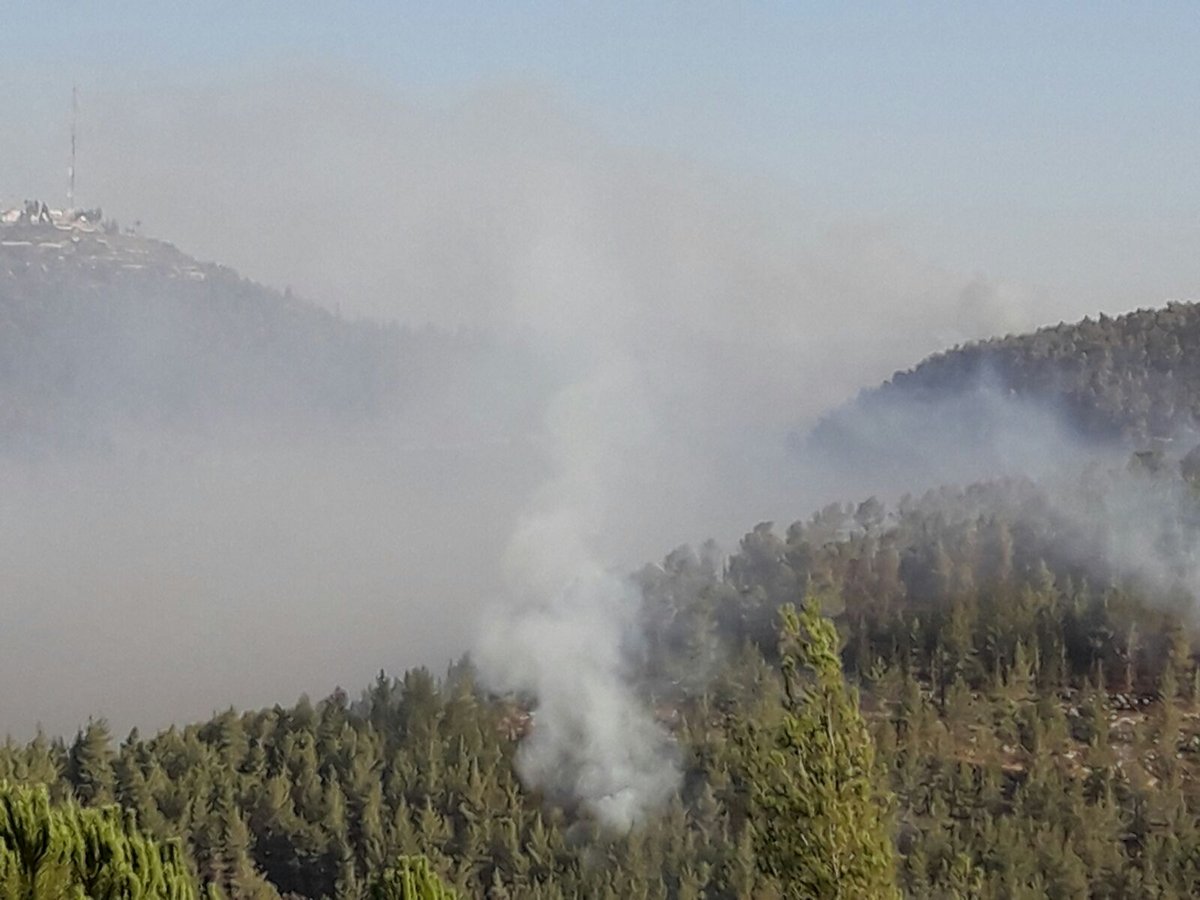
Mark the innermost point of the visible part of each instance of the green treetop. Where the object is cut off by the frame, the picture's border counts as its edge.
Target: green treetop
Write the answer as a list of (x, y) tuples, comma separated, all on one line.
[(410, 878), (71, 853), (821, 818)]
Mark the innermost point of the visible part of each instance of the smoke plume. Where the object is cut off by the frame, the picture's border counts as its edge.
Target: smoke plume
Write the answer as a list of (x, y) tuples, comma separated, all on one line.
[(562, 633)]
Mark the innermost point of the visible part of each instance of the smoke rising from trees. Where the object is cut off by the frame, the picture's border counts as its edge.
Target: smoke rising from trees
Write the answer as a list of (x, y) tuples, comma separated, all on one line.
[(686, 322)]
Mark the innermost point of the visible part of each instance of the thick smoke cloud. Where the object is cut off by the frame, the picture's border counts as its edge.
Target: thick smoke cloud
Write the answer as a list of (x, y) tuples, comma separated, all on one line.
[(689, 321)]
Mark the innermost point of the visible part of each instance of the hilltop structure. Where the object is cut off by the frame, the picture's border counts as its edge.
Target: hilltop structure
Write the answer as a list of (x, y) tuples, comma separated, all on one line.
[(36, 212), (56, 240)]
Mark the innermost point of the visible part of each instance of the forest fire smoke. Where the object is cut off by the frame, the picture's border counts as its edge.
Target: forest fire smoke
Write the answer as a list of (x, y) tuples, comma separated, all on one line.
[(566, 633)]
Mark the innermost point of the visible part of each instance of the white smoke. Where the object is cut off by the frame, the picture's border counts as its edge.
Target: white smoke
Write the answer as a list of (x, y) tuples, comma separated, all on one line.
[(567, 625), (1139, 524)]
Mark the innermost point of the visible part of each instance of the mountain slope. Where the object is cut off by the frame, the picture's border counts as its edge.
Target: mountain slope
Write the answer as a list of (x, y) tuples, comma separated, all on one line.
[(1128, 379), (102, 331)]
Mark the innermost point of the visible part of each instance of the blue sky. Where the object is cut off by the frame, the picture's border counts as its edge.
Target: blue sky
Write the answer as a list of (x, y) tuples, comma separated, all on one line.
[(1036, 119)]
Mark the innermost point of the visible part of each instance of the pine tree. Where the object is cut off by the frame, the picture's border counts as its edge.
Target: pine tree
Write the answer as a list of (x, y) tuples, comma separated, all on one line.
[(90, 766), (66, 852), (819, 815), (410, 878)]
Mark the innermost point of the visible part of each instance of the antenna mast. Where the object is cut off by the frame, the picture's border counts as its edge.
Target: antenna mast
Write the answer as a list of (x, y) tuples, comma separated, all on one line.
[(71, 170)]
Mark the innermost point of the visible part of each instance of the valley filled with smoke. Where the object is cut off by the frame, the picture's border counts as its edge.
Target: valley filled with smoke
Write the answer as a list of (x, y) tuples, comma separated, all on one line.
[(655, 337)]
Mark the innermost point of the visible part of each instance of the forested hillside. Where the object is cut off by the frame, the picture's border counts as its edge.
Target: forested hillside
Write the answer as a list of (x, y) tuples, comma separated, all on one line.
[(102, 333), (1134, 378), (1035, 710), (982, 691)]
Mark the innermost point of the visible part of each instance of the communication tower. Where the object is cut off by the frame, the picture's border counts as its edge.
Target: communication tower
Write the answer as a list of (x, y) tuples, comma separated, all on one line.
[(71, 168)]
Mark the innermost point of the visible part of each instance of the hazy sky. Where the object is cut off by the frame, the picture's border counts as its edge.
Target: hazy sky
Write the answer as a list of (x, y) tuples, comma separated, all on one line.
[(1051, 144)]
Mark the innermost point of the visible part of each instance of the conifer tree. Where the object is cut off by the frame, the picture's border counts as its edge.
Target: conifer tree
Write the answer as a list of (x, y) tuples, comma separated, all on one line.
[(819, 815), (90, 766), (410, 878), (67, 852)]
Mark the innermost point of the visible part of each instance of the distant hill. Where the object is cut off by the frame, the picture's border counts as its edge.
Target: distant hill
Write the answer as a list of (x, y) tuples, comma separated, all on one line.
[(1123, 381), (102, 331)]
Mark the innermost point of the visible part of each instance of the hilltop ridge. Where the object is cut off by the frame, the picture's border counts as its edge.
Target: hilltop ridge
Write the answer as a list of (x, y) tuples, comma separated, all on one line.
[(1126, 381), (61, 245), (103, 329)]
